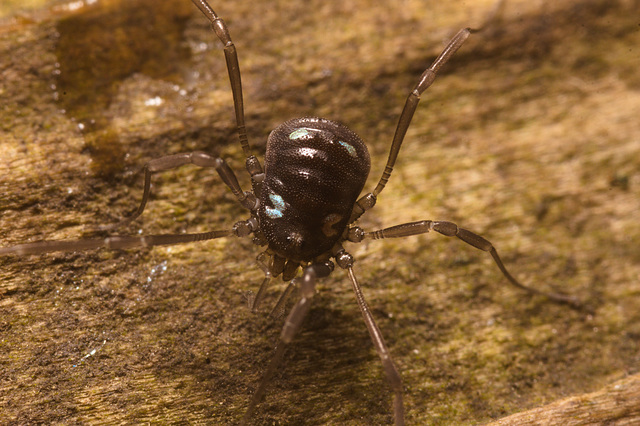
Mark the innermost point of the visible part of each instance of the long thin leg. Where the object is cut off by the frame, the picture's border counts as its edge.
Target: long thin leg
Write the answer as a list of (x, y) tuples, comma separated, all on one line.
[(450, 229), (231, 56), (197, 158), (261, 260), (113, 242), (233, 68), (278, 309), (390, 370), (426, 79), (291, 325), (272, 265)]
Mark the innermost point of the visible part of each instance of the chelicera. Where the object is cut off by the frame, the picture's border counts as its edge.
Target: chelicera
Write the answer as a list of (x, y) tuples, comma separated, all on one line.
[(302, 207)]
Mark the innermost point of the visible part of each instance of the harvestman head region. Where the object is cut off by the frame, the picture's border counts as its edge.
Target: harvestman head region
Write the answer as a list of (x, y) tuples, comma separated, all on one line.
[(301, 209)]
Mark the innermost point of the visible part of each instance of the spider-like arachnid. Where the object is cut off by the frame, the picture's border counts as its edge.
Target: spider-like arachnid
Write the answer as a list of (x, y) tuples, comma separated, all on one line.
[(302, 207)]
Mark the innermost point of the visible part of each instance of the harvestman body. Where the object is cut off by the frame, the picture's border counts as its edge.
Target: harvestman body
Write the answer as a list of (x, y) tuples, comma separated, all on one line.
[(302, 207)]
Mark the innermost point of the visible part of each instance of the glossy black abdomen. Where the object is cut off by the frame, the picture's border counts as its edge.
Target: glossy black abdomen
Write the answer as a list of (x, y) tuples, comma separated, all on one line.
[(315, 170)]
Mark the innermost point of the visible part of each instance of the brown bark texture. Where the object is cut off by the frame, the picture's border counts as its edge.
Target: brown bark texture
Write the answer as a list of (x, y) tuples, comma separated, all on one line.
[(530, 137)]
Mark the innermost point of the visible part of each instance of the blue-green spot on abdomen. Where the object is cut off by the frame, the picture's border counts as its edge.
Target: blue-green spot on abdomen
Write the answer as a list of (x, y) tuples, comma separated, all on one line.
[(350, 149), (298, 133), (278, 208), (303, 133)]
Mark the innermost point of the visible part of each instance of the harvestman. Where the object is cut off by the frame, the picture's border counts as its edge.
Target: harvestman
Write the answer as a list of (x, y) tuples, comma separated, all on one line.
[(302, 207)]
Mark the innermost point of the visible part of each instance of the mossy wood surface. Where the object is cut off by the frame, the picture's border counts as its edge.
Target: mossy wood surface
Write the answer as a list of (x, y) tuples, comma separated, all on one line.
[(530, 137)]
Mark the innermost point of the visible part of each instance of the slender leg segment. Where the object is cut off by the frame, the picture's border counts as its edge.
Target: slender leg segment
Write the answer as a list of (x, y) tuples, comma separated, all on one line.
[(291, 326), (241, 228), (450, 229), (390, 370), (231, 56), (264, 262), (278, 309), (426, 79), (112, 243), (233, 68), (197, 158)]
